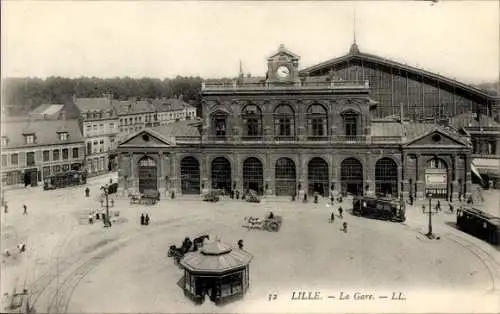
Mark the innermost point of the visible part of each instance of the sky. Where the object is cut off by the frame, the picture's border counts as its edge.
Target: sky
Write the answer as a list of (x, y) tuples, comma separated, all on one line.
[(458, 39)]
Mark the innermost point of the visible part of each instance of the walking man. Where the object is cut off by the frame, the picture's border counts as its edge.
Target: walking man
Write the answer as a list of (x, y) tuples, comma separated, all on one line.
[(146, 220), (25, 208), (332, 217), (5, 208), (91, 218), (142, 219), (87, 191), (340, 212), (344, 227)]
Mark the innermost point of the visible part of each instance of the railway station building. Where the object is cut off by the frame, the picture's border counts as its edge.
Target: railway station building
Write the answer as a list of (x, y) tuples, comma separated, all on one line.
[(328, 129)]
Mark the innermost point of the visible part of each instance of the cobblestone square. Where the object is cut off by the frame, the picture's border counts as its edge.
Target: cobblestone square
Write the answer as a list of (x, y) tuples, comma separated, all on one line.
[(72, 266)]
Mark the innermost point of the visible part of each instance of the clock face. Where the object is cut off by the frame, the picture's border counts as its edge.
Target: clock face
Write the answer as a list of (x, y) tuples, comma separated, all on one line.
[(283, 71)]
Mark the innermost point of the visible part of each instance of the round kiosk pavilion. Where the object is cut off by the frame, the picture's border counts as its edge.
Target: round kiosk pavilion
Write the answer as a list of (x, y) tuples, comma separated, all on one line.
[(216, 270)]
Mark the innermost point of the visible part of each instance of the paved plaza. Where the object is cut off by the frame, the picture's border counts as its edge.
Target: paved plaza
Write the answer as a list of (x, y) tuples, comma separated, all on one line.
[(72, 266)]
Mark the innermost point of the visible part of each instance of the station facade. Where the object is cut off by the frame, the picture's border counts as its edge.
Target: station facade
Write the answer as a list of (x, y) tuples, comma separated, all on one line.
[(285, 132)]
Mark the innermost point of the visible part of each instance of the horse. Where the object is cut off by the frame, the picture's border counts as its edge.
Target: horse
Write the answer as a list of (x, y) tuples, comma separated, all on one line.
[(254, 222)]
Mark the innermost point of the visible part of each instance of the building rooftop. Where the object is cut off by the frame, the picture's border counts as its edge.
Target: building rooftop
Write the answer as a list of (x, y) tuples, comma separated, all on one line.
[(46, 132), (178, 128), (93, 104), (473, 120)]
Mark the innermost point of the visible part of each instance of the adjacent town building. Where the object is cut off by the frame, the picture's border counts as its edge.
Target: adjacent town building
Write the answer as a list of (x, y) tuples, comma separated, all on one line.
[(35, 149), (100, 128), (321, 130), (136, 115)]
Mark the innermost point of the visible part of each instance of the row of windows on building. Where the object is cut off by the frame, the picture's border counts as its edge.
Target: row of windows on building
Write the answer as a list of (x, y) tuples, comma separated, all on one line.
[(156, 117), (97, 146), (100, 127), (486, 147), (30, 156), (284, 121), (98, 115), (31, 138)]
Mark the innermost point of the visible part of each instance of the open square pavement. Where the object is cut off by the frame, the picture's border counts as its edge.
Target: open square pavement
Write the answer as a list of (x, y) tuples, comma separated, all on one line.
[(72, 266)]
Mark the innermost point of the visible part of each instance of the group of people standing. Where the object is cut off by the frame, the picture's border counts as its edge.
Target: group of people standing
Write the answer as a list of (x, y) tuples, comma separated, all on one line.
[(97, 214), (144, 219)]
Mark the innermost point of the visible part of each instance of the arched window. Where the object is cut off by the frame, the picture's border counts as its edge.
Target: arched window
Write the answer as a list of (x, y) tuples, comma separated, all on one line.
[(219, 124), (284, 122), (436, 163), (317, 122), (252, 121), (351, 119)]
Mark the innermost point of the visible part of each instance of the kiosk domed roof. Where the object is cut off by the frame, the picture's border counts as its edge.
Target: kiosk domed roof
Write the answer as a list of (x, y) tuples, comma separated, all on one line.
[(215, 258)]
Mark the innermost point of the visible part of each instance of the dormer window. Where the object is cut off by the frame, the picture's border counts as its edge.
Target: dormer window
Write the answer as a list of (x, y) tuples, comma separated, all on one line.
[(63, 136), (29, 138)]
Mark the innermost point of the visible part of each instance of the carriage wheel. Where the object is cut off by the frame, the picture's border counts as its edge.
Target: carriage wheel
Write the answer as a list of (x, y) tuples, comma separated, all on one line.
[(273, 226)]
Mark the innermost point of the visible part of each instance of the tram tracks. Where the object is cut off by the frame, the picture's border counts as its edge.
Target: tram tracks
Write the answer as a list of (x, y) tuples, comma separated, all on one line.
[(58, 298), (489, 262)]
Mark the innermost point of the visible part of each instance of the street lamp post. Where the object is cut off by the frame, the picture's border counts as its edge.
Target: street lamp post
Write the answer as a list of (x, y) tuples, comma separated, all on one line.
[(105, 189), (430, 212)]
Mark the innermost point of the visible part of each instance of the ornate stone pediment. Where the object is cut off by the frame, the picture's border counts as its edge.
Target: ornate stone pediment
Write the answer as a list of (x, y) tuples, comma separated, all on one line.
[(435, 138), (147, 138)]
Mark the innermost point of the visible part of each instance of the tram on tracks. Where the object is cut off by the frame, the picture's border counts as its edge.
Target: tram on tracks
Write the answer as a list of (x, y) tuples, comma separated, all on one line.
[(479, 223), (65, 179), (379, 208)]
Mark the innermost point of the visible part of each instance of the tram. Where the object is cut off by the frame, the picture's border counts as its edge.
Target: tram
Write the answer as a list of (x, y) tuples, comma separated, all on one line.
[(65, 179), (379, 208), (479, 224)]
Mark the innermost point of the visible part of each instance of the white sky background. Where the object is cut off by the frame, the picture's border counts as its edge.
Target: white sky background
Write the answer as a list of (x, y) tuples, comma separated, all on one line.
[(459, 39)]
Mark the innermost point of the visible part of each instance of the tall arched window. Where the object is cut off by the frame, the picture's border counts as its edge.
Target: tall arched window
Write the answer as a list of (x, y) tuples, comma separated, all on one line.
[(252, 121), (351, 120), (219, 124), (284, 122), (317, 122)]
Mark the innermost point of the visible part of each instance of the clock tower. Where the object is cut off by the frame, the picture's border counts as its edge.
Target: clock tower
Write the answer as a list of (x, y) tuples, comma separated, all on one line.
[(283, 67)]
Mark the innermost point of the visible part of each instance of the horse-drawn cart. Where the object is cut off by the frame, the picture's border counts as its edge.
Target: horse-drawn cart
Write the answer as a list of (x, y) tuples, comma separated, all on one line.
[(270, 223), (177, 253), (149, 197)]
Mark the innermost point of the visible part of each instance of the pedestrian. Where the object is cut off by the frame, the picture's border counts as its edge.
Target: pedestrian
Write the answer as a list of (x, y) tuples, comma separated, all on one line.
[(240, 244), (25, 209), (237, 194), (146, 220), (305, 198), (112, 202), (341, 211), (332, 199), (5, 208), (142, 219), (411, 200), (21, 247), (438, 205), (97, 214), (7, 252), (344, 227), (451, 208), (423, 208), (315, 197), (87, 191), (332, 217), (91, 218)]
